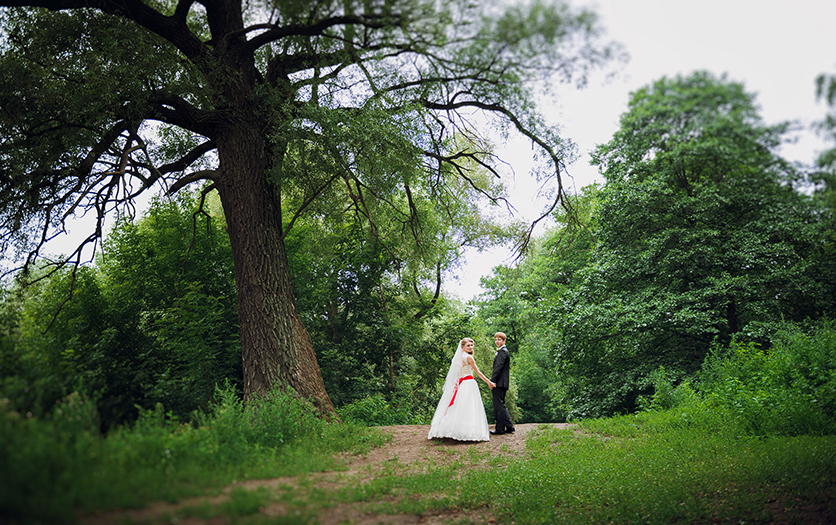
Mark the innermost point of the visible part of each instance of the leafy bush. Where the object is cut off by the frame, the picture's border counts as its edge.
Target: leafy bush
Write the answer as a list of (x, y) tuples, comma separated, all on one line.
[(666, 395), (43, 459), (269, 422), (533, 377), (158, 457), (789, 389), (375, 411)]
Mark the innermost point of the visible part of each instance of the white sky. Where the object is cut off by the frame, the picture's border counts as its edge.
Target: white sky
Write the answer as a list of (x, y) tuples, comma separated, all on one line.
[(776, 48)]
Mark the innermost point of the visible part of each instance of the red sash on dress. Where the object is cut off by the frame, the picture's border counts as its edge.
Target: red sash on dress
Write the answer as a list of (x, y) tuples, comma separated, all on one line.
[(456, 391)]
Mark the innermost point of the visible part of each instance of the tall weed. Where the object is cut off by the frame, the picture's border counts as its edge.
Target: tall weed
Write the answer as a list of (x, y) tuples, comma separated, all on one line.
[(789, 389), (44, 459), (376, 410), (60, 464), (665, 393)]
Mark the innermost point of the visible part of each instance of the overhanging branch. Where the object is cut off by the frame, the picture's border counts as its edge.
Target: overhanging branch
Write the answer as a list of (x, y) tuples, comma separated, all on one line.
[(274, 33), (560, 198)]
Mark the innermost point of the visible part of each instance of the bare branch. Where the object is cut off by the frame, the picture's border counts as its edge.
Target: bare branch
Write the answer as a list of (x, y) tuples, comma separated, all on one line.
[(427, 307), (318, 28), (200, 211), (557, 161)]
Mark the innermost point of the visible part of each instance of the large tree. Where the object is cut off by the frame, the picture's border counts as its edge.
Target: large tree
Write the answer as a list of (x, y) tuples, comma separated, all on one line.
[(703, 234), (283, 107)]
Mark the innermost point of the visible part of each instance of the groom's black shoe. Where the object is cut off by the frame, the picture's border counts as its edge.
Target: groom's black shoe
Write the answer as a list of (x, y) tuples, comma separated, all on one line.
[(495, 433), (510, 430)]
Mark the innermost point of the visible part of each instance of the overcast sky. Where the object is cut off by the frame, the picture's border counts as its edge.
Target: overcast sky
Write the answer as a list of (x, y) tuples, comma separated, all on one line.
[(776, 48)]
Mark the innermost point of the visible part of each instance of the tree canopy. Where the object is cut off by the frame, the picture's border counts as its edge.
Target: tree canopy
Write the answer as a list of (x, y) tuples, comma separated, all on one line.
[(703, 234)]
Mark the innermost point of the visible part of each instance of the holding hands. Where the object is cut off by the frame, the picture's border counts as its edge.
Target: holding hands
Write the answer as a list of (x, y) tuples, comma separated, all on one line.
[(468, 349)]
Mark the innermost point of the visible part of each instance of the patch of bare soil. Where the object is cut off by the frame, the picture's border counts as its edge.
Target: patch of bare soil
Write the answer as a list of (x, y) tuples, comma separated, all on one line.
[(409, 446)]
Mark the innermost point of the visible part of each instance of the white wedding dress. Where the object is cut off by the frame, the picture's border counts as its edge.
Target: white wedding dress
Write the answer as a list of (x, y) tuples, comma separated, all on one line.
[(460, 413)]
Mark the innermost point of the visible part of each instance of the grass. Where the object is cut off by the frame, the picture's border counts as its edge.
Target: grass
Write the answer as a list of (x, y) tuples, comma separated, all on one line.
[(654, 468), (670, 466), (56, 467), (661, 467), (650, 468)]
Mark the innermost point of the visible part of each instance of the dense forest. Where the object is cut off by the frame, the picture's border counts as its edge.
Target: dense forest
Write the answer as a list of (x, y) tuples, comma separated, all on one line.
[(700, 237)]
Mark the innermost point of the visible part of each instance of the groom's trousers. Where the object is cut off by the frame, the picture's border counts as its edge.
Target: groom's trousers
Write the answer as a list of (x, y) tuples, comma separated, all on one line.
[(500, 411)]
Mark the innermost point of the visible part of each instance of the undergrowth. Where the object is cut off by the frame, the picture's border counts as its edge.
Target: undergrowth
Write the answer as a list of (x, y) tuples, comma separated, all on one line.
[(56, 466), (749, 439)]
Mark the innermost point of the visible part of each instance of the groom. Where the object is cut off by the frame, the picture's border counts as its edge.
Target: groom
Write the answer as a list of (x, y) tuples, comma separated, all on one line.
[(501, 376)]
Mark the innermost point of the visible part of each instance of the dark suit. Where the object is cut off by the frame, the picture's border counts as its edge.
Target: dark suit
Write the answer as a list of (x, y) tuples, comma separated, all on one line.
[(501, 376)]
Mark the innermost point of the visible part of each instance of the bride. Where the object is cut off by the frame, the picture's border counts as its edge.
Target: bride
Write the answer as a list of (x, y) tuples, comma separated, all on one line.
[(460, 413)]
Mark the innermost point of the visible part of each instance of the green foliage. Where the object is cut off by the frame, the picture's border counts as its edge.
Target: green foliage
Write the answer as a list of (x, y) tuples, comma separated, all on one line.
[(422, 376), (377, 411), (155, 321), (824, 177), (368, 304), (270, 422), (787, 389), (157, 457), (43, 458), (82, 348), (363, 110), (351, 306), (699, 235), (826, 91), (522, 302), (534, 377), (502, 308), (666, 395)]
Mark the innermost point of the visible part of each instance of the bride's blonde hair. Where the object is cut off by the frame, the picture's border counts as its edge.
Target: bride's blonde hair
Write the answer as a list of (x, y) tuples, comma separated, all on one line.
[(466, 340)]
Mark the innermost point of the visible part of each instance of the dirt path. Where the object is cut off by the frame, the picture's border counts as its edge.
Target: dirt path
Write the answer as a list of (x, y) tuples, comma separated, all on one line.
[(409, 446)]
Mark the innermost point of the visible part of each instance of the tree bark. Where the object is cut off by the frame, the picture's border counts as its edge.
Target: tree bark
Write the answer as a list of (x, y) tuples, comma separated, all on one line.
[(276, 349)]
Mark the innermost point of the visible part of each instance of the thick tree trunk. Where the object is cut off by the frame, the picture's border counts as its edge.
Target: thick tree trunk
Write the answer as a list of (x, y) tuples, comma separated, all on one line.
[(277, 350)]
